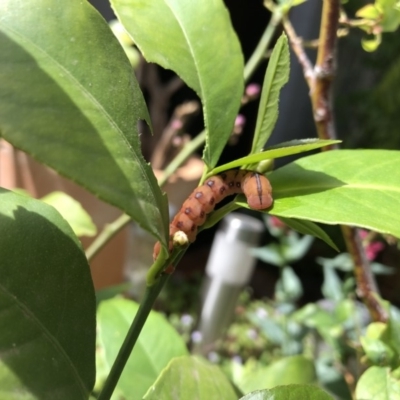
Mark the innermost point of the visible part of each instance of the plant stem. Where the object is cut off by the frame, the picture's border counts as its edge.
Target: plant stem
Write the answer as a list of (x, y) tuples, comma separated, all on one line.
[(109, 231), (134, 331), (320, 82), (321, 99), (324, 70), (263, 45)]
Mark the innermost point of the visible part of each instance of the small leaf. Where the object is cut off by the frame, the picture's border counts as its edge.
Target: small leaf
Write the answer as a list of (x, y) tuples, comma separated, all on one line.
[(196, 40), (191, 377), (47, 302), (276, 76), (332, 285), (288, 287), (296, 247), (377, 383), (286, 371), (391, 14), (371, 45), (370, 11), (281, 150), (270, 254), (289, 392), (309, 228), (73, 212), (158, 343), (377, 351)]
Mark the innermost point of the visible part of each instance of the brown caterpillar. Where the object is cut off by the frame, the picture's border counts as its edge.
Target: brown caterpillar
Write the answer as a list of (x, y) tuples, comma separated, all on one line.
[(204, 198)]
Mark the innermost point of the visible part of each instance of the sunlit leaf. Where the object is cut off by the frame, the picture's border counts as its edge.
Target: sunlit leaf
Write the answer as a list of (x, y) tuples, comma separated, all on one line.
[(280, 150), (158, 343), (350, 187), (378, 383), (196, 40), (289, 392), (276, 76), (73, 212), (189, 377)]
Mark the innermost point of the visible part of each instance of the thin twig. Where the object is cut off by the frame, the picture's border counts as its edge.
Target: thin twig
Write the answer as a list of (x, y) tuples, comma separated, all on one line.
[(321, 98), (320, 82), (298, 49), (176, 125)]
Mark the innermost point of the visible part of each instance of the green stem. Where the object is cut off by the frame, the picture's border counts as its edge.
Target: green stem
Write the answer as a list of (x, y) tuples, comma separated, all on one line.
[(134, 331), (263, 45), (109, 231), (216, 216)]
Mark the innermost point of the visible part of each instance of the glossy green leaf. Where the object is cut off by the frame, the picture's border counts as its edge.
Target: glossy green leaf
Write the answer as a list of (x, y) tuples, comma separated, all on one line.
[(276, 76), (195, 39), (68, 97), (288, 370), (377, 383), (289, 392), (350, 187), (309, 228), (191, 377), (47, 302), (73, 212), (281, 150), (158, 343)]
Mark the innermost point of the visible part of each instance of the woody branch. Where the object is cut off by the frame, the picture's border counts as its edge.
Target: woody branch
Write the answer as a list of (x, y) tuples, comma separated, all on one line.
[(319, 79)]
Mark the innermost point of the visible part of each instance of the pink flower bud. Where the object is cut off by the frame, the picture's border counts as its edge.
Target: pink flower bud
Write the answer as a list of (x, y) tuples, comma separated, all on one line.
[(240, 120), (253, 90)]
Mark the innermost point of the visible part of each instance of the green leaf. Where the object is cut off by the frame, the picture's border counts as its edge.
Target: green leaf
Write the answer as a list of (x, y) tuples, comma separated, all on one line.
[(276, 76), (332, 285), (377, 351), (281, 150), (349, 187), (73, 212), (69, 98), (309, 228), (196, 40), (288, 370), (289, 392), (157, 345), (295, 247), (377, 383), (371, 43), (191, 377), (391, 14), (370, 11), (289, 287), (47, 302), (270, 254)]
